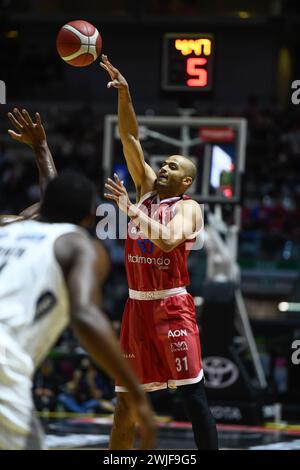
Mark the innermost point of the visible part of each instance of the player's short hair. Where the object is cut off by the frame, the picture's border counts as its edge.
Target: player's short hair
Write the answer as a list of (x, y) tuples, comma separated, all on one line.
[(190, 168), (69, 198)]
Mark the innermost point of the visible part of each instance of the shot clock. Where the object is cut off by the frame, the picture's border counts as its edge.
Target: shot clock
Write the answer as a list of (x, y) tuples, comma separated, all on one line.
[(187, 62)]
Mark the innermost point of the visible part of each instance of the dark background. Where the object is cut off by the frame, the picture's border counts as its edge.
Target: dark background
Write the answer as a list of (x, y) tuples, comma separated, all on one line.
[(257, 46)]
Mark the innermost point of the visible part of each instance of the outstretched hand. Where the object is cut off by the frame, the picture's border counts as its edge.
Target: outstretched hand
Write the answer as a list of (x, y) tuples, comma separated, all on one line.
[(118, 193), (117, 79), (29, 132)]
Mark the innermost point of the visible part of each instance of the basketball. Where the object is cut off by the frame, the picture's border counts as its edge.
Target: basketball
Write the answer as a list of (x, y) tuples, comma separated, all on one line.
[(79, 43)]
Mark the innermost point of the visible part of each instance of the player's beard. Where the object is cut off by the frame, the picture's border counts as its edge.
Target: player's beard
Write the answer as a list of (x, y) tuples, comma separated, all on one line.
[(168, 187)]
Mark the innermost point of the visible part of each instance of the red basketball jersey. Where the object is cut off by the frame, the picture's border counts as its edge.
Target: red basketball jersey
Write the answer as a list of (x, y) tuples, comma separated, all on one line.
[(148, 267)]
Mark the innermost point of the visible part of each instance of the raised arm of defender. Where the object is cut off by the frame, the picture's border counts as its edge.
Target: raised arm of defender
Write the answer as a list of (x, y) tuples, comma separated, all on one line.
[(142, 174), (32, 134)]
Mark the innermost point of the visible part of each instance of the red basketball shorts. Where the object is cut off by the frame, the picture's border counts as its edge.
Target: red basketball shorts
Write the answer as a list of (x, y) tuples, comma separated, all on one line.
[(160, 339)]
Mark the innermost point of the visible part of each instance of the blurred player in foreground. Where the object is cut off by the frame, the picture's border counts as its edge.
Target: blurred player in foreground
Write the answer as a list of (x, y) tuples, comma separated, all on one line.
[(159, 334), (51, 273)]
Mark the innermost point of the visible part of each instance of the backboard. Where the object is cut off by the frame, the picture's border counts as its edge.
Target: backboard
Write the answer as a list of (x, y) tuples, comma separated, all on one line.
[(216, 145)]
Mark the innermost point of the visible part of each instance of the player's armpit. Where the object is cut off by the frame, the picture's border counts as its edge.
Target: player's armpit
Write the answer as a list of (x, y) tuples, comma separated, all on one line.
[(148, 182), (142, 174)]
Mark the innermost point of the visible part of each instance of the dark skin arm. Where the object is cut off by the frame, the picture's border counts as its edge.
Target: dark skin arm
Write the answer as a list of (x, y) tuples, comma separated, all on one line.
[(9, 219), (31, 212), (32, 134), (84, 269)]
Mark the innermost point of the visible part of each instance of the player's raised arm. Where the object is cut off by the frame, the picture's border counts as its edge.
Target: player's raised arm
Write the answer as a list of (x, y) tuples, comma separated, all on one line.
[(142, 174), (32, 133), (84, 269)]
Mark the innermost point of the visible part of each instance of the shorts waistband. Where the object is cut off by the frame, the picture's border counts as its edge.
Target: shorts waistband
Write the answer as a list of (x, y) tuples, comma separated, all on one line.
[(156, 294)]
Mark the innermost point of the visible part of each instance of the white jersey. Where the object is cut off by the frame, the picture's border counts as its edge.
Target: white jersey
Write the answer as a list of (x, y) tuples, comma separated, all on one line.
[(33, 313)]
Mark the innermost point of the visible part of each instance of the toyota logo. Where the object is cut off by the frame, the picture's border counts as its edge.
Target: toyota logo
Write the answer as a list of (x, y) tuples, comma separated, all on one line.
[(220, 372)]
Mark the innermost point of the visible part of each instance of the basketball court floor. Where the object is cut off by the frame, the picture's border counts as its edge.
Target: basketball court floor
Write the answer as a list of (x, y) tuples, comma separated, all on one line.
[(93, 433)]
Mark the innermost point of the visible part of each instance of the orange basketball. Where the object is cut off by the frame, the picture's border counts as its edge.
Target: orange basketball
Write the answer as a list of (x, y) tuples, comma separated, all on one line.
[(79, 43)]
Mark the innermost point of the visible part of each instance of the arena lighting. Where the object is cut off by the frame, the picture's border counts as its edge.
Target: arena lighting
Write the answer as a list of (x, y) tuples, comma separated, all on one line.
[(198, 301), (283, 306), (13, 34), (244, 14), (289, 307)]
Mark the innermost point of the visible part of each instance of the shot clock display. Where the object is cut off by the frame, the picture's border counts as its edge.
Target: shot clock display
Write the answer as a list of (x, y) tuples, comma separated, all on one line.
[(187, 62)]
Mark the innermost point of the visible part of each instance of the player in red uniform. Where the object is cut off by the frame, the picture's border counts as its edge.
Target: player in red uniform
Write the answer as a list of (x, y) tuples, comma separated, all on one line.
[(159, 334)]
